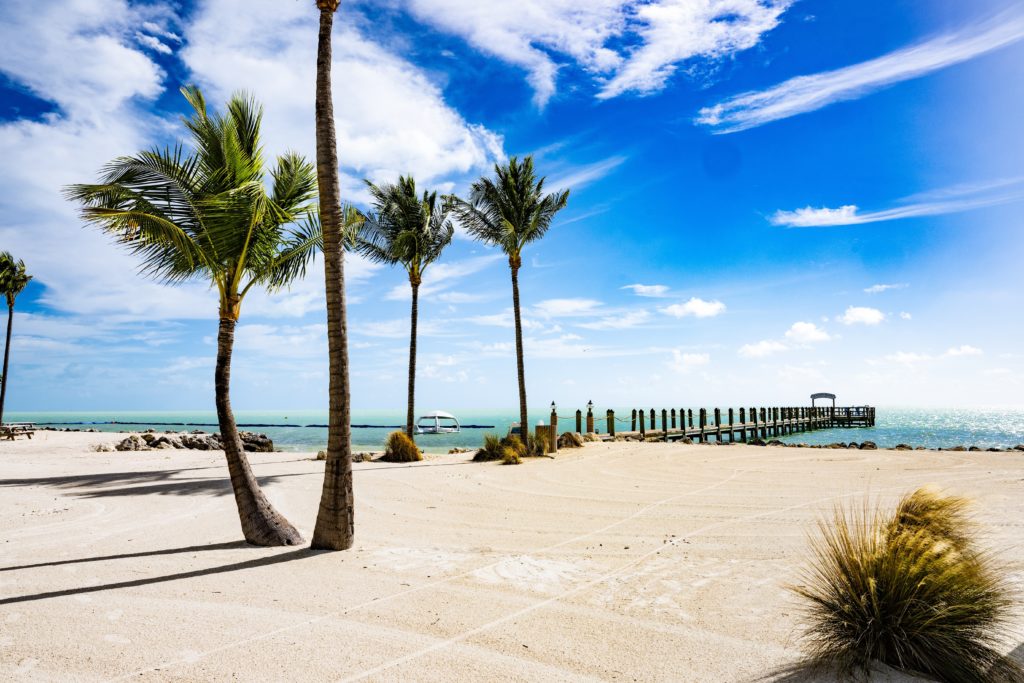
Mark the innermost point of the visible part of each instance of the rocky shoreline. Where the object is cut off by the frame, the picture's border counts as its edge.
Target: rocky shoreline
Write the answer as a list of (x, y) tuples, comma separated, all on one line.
[(196, 441)]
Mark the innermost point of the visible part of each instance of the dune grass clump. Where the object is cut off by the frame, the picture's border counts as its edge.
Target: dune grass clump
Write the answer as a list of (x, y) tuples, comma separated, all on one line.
[(911, 590), (494, 448), (400, 448), (510, 456)]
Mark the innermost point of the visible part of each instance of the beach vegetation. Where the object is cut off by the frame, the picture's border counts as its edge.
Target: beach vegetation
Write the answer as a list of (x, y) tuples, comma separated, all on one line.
[(335, 519), (412, 230), (206, 213), (510, 456), (400, 448), (909, 589), (510, 211), (14, 278), (494, 447)]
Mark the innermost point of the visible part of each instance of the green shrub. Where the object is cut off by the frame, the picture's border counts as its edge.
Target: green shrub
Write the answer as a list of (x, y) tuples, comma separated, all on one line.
[(494, 448), (400, 448), (510, 456), (910, 590)]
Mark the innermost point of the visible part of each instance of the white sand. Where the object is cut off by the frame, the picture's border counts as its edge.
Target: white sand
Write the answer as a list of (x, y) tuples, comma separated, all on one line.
[(613, 562)]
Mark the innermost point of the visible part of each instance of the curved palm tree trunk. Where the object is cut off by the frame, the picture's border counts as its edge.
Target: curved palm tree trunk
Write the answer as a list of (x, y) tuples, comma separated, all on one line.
[(7, 355), (335, 521), (410, 411), (261, 523), (524, 426)]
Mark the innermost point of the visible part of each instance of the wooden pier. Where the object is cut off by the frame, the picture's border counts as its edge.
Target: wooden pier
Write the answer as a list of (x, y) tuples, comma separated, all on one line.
[(731, 425)]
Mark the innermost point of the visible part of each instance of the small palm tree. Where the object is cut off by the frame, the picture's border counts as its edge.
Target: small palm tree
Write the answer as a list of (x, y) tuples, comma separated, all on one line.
[(509, 212), (207, 214), (335, 520), (411, 230), (13, 279)]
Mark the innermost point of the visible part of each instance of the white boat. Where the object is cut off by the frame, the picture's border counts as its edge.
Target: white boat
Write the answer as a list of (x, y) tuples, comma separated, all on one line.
[(438, 422)]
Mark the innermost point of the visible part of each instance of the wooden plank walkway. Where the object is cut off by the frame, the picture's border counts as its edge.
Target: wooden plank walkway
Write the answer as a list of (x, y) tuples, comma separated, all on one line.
[(742, 425)]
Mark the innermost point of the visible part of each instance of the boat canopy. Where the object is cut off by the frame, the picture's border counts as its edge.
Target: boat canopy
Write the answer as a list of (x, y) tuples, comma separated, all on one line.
[(437, 414)]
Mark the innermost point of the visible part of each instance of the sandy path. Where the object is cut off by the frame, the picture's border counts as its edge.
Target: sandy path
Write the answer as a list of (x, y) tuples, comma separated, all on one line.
[(613, 562)]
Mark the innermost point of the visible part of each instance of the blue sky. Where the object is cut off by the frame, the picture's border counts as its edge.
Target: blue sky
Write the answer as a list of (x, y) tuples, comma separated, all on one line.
[(768, 199)]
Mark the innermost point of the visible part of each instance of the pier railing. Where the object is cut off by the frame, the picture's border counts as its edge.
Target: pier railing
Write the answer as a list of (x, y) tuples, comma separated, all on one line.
[(731, 424)]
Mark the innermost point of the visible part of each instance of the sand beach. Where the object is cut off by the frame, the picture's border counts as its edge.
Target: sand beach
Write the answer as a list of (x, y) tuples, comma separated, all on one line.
[(617, 561)]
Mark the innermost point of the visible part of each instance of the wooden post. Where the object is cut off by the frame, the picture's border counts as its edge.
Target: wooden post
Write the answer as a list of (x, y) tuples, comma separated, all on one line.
[(673, 418), (743, 425), (689, 415), (579, 421), (664, 423), (611, 423), (718, 424), (764, 423), (654, 423), (703, 424), (643, 434), (634, 420), (775, 420), (553, 431), (754, 434), (732, 434), (590, 419)]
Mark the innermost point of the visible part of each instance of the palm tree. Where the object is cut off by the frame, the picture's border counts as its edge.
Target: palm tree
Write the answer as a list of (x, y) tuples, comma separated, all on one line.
[(413, 231), (207, 214), (335, 521), (509, 212), (13, 279)]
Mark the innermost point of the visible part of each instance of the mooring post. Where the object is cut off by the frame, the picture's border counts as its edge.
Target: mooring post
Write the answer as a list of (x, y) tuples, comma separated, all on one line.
[(718, 425), (764, 423), (590, 417), (743, 425), (673, 418), (703, 419), (654, 423), (611, 423), (579, 421), (775, 420), (664, 423), (689, 416), (643, 433), (634, 420), (553, 430), (732, 435)]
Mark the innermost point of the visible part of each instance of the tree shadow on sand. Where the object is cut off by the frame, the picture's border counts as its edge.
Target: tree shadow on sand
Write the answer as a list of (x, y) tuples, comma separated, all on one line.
[(1006, 671), (276, 558), (230, 545), (141, 483)]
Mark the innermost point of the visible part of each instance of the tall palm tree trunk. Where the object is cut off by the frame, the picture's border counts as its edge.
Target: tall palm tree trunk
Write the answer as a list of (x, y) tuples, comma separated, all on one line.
[(335, 521), (261, 523), (410, 414), (7, 356), (524, 426)]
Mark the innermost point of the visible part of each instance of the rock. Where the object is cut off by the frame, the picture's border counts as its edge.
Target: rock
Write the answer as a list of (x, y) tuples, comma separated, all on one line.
[(902, 447), (148, 437), (132, 443), (958, 448), (758, 442), (321, 455), (196, 442), (868, 446), (974, 449), (591, 436), (570, 440), (687, 441), (920, 448), (102, 448), (1019, 447), (836, 445), (256, 443), (776, 442), (853, 444), (456, 451), (994, 450)]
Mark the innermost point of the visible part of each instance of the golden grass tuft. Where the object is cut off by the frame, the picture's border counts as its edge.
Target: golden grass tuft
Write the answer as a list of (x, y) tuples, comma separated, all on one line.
[(510, 456), (494, 448), (400, 448), (910, 590)]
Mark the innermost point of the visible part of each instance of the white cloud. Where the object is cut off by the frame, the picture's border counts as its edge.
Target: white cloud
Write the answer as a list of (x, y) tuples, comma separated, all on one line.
[(878, 289), (761, 349), (687, 362), (808, 93), (654, 291), (439, 277), (907, 358), (152, 43), (621, 321), (561, 308), (405, 126), (806, 333), (674, 31), (861, 315), (955, 199), (627, 46), (905, 316), (964, 350), (698, 308), (581, 176)]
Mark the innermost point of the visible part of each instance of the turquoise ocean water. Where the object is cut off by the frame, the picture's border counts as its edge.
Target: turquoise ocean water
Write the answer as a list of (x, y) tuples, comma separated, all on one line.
[(298, 430)]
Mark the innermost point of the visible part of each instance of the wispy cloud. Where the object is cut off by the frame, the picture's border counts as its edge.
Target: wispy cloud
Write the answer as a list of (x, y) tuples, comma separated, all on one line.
[(653, 291), (622, 321), (698, 308), (560, 308), (439, 277), (807, 333), (581, 176), (808, 93), (935, 203), (762, 349), (878, 289), (684, 363)]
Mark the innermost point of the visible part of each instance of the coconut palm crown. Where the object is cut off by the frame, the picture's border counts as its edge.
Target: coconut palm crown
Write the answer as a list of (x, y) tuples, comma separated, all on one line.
[(13, 279), (509, 212), (207, 214), (412, 230)]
